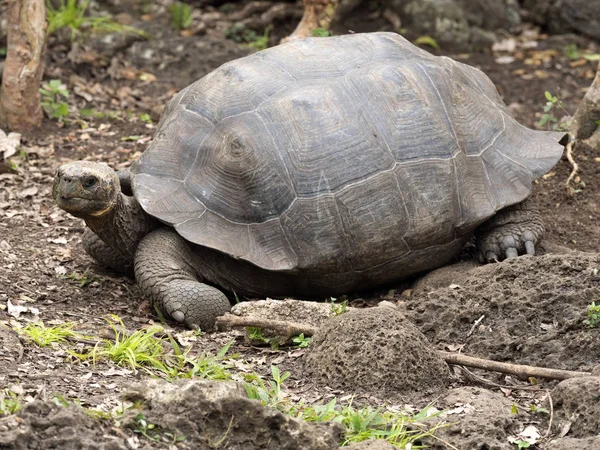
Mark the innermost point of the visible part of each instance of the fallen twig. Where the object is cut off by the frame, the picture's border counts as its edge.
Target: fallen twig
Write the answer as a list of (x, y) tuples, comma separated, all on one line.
[(284, 329), (519, 370), (288, 329), (475, 325)]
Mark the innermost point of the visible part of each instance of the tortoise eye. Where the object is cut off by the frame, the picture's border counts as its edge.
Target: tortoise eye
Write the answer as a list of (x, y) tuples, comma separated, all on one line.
[(88, 182)]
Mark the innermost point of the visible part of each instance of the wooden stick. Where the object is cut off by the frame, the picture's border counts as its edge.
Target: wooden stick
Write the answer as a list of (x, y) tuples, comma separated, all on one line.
[(520, 370), (288, 329), (285, 329)]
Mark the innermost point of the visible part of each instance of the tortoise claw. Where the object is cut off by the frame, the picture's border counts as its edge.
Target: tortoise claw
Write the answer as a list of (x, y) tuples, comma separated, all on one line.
[(530, 247), (491, 257)]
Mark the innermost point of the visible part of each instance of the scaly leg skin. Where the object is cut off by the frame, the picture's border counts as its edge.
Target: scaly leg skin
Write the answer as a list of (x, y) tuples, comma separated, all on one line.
[(164, 270), (104, 254), (513, 231)]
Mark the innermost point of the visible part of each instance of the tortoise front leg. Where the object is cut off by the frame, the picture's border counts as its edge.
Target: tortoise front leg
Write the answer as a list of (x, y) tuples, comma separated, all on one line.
[(164, 271), (513, 231)]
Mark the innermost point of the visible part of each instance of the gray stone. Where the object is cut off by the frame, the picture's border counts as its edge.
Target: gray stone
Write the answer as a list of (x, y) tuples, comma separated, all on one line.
[(577, 401)]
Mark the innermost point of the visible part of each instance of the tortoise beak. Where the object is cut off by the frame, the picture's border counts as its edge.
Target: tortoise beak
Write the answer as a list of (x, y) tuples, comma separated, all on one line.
[(67, 186)]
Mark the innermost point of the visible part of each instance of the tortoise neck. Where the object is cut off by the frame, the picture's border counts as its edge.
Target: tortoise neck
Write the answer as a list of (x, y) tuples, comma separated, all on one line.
[(124, 226)]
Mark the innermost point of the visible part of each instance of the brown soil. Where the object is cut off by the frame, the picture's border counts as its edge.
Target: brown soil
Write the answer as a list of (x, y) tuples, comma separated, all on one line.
[(534, 307)]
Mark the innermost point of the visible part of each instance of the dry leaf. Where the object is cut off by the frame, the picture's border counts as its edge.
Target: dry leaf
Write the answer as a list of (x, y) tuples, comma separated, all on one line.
[(60, 240), (29, 192), (9, 143), (15, 310)]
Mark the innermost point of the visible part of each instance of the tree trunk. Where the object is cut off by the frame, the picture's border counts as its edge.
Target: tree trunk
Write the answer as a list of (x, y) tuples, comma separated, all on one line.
[(317, 14), (20, 108), (587, 116)]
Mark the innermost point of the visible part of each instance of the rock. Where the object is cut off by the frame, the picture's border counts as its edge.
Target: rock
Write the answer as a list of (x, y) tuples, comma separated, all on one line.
[(567, 443), (376, 350), (310, 313), (577, 400), (44, 425), (371, 444), (207, 411), (480, 419), (534, 311), (458, 24), (564, 16), (444, 277)]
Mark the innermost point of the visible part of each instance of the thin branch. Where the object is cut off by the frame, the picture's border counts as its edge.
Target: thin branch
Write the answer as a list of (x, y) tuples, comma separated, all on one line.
[(519, 370), (285, 329)]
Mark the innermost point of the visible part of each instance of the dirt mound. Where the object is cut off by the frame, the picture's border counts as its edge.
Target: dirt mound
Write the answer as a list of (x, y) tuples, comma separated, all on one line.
[(213, 414), (532, 311), (378, 350), (577, 402), (481, 419), (591, 443), (195, 413)]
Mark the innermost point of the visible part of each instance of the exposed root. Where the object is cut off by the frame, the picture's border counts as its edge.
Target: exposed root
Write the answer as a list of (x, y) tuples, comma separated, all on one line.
[(574, 167), (549, 429)]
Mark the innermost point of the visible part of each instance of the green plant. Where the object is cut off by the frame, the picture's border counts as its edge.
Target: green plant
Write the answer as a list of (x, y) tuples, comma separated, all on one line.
[(181, 15), (338, 308), (82, 279), (71, 14), (140, 349), (145, 118), (321, 32), (301, 341), (593, 315), (427, 40), (209, 367), (548, 118), (262, 42), (2, 51), (43, 336), (521, 444), (240, 33), (538, 409), (143, 349), (571, 51), (269, 394), (53, 93), (153, 432), (10, 402), (256, 334), (361, 424)]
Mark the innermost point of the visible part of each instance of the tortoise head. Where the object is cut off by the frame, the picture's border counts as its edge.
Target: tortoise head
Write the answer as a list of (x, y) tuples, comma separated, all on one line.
[(85, 188)]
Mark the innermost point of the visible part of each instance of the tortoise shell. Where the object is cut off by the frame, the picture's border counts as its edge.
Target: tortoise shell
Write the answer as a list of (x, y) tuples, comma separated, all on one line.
[(359, 153)]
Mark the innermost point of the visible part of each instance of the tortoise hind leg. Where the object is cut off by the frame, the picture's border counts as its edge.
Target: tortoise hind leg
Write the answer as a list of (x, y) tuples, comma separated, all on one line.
[(104, 254), (513, 231), (164, 270)]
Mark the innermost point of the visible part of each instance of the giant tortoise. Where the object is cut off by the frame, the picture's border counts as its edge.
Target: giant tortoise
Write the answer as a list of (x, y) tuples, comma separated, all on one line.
[(314, 168)]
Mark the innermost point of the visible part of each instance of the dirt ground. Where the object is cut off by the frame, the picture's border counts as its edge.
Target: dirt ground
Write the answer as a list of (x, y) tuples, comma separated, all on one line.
[(533, 309)]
